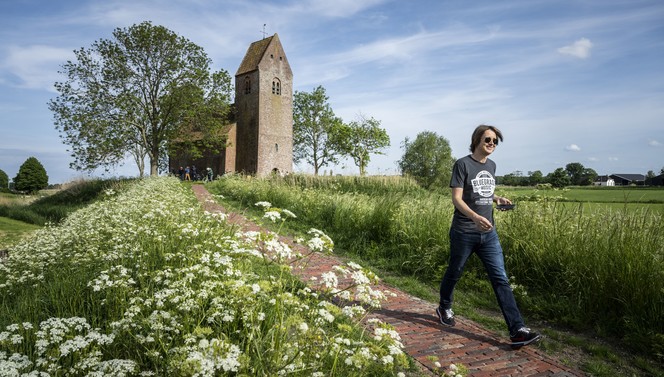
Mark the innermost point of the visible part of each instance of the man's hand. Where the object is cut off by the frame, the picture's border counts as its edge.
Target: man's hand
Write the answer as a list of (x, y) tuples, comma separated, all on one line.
[(482, 223)]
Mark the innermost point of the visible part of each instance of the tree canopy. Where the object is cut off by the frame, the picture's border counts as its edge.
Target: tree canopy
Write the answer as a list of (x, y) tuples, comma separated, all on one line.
[(31, 176), (428, 159), (361, 138), (315, 129), (4, 181), (137, 93), (559, 178), (580, 175)]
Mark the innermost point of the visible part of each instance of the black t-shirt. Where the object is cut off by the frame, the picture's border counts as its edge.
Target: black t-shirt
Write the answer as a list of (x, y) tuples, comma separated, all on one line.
[(478, 183)]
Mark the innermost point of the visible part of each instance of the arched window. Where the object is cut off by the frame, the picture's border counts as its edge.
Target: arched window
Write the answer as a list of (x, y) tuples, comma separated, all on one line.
[(276, 147), (276, 87), (247, 85)]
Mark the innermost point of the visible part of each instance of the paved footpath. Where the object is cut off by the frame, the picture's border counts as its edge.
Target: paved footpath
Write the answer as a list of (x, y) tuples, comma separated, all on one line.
[(481, 351)]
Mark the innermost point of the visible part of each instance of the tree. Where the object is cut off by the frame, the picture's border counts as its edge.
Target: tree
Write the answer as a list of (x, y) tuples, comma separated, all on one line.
[(588, 176), (535, 177), (137, 94), (428, 159), (315, 129), (4, 181), (574, 171), (559, 178), (360, 138), (31, 176)]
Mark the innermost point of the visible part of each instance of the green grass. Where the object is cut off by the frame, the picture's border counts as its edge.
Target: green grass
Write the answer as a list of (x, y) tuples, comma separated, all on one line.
[(591, 194), (53, 206), (11, 231)]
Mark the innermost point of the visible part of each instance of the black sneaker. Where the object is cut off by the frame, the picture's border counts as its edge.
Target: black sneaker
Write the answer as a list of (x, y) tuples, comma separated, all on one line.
[(446, 316), (523, 337)]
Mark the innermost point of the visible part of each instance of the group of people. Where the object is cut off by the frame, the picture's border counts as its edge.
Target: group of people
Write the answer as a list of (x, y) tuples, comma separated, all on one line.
[(191, 174)]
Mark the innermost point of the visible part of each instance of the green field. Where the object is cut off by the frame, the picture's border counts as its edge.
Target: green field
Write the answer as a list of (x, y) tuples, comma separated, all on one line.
[(592, 194), (593, 199), (11, 231)]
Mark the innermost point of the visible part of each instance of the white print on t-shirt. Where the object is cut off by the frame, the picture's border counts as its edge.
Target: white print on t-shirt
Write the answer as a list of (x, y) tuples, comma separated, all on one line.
[(484, 184)]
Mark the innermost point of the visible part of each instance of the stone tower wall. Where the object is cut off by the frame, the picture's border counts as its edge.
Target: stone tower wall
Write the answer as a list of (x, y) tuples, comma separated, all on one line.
[(275, 136)]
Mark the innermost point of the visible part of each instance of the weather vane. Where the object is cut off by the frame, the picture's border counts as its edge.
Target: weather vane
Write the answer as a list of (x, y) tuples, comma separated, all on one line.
[(264, 33)]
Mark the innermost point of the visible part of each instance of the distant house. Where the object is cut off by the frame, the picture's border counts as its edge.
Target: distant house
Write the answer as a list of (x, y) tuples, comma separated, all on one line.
[(628, 179), (656, 181), (604, 180)]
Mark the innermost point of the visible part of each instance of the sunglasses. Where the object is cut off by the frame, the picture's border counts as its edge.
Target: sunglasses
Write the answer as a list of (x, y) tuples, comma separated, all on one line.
[(488, 140)]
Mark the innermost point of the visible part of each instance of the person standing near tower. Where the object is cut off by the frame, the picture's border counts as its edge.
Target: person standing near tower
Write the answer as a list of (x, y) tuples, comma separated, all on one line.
[(473, 231)]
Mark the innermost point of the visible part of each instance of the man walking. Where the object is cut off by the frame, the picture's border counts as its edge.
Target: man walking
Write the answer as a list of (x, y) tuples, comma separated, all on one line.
[(473, 231)]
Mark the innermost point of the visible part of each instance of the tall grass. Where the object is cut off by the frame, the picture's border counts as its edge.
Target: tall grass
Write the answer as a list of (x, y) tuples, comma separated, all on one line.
[(54, 208), (594, 269), (144, 283), (597, 269), (380, 224)]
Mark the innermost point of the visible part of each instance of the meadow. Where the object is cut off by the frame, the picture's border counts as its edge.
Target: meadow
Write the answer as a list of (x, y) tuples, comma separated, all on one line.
[(598, 268), (143, 282)]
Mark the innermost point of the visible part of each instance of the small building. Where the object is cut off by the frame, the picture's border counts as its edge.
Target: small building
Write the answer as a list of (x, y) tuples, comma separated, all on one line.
[(656, 181), (604, 180), (628, 179)]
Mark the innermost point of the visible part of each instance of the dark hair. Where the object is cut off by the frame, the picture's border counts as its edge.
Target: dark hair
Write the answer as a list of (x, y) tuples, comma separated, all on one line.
[(476, 139)]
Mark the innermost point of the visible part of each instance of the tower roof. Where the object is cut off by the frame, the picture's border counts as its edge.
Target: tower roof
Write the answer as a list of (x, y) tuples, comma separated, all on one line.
[(255, 54)]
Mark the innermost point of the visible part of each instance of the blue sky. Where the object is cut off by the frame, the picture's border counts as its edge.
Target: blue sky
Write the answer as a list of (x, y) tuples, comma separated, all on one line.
[(565, 80)]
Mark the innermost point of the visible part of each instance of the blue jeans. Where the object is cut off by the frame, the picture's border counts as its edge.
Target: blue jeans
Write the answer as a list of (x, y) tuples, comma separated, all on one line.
[(487, 247)]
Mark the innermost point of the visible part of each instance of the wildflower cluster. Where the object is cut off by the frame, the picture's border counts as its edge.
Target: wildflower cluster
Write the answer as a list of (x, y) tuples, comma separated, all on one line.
[(145, 283)]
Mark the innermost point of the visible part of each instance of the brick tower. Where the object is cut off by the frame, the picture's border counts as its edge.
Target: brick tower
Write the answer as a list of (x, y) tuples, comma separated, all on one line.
[(264, 110)]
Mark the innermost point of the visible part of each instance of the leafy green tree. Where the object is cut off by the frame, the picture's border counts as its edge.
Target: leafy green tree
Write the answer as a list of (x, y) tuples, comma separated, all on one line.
[(361, 138), (4, 181), (135, 94), (588, 176), (559, 178), (31, 176), (315, 129), (575, 172), (428, 159), (535, 177)]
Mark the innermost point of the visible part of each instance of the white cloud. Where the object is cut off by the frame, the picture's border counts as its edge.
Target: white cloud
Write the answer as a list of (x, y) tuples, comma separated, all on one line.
[(338, 8), (654, 143), (36, 66), (613, 158), (572, 148), (579, 49)]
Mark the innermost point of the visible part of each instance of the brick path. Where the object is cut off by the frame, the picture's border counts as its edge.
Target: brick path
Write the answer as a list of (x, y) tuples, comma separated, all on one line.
[(481, 351)]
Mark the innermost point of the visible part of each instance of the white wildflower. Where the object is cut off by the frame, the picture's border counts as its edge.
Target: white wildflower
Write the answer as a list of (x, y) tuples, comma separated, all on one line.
[(263, 204), (272, 215)]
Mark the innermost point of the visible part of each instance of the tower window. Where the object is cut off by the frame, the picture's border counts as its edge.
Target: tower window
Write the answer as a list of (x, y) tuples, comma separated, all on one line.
[(276, 87), (247, 85), (276, 147)]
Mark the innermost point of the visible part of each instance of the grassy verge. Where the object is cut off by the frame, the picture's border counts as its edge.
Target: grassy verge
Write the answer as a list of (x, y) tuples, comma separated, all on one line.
[(52, 207), (12, 231)]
